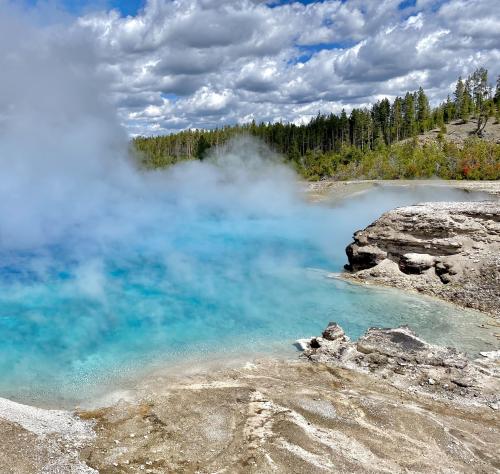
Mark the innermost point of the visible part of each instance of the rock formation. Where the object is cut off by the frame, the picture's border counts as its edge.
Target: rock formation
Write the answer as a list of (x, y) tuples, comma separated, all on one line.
[(449, 250), (403, 359)]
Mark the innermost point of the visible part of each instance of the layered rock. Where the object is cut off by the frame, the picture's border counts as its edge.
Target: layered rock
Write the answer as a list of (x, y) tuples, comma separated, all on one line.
[(449, 250), (403, 359)]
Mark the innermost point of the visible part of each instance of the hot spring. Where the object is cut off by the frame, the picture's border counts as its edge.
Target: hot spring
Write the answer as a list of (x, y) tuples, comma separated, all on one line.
[(208, 259), (107, 270)]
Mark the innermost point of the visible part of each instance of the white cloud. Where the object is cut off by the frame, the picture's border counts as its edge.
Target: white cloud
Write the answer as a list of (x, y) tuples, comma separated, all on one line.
[(204, 63)]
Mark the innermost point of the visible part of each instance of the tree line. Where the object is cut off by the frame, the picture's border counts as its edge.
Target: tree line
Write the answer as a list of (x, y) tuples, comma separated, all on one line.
[(337, 139)]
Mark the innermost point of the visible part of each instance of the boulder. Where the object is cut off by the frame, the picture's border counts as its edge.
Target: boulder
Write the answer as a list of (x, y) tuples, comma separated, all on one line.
[(333, 331)]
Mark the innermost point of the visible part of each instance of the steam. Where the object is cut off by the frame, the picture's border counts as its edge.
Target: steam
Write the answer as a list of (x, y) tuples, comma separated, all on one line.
[(101, 261), (64, 156), (61, 146), (66, 172)]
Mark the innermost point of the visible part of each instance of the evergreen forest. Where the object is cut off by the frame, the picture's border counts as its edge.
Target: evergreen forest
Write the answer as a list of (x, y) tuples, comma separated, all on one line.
[(380, 142)]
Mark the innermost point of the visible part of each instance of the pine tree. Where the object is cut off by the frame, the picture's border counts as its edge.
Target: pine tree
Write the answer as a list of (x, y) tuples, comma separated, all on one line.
[(496, 100), (439, 117), (397, 118), (384, 119), (423, 111), (202, 146), (409, 122), (294, 153), (344, 129), (481, 92), (466, 106), (449, 110), (459, 97), (479, 83)]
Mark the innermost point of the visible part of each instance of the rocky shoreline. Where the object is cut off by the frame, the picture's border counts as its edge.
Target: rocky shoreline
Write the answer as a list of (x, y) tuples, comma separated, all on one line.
[(447, 250), (329, 189), (399, 357), (388, 402)]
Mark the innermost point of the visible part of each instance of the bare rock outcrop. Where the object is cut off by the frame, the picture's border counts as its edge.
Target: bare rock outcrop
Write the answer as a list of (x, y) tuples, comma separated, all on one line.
[(448, 250), (402, 359)]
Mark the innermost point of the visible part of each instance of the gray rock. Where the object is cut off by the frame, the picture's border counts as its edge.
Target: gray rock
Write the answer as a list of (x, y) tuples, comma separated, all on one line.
[(362, 257), (461, 241), (493, 355), (404, 344), (333, 331), (303, 344), (403, 359)]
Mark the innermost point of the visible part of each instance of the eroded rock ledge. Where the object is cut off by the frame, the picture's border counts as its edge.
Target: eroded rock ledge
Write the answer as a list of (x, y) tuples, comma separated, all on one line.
[(402, 359), (448, 250)]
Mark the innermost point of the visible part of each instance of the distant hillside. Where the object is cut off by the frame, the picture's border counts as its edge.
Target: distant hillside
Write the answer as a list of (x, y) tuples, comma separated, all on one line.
[(459, 139), (458, 132)]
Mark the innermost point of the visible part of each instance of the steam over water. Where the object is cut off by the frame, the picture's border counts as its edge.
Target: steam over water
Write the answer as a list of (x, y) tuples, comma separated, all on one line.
[(201, 271), (104, 268)]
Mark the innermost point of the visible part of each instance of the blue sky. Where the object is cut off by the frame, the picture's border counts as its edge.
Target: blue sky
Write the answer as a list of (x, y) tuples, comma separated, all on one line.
[(76, 7), (132, 7), (127, 7)]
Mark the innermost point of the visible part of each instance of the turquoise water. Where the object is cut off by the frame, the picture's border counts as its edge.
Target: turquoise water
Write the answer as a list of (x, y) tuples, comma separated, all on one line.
[(79, 311)]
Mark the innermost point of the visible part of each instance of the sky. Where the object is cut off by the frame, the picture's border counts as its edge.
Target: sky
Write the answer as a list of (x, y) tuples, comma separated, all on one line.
[(178, 64)]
